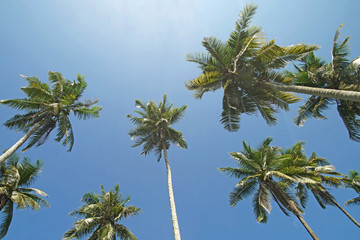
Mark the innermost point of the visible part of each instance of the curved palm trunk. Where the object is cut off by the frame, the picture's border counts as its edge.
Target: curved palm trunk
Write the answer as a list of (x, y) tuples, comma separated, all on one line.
[(171, 198), (18, 144), (346, 213), (284, 199), (321, 92)]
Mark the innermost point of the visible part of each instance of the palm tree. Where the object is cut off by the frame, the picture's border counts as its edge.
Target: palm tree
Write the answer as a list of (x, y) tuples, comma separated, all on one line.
[(320, 167), (340, 73), (15, 178), (153, 131), (352, 180), (48, 108), (258, 170), (246, 68), (100, 213)]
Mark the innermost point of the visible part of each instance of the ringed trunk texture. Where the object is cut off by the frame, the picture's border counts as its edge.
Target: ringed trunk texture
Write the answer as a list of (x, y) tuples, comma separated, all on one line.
[(18, 144), (321, 92), (346, 213), (171, 198)]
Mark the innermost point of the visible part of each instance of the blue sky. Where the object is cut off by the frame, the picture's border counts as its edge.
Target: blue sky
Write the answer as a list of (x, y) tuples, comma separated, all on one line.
[(131, 51)]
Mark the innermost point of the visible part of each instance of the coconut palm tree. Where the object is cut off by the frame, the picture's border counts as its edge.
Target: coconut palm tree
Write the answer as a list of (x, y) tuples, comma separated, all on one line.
[(295, 156), (258, 170), (341, 74), (154, 132), (48, 108), (100, 214), (352, 180), (15, 178), (246, 68)]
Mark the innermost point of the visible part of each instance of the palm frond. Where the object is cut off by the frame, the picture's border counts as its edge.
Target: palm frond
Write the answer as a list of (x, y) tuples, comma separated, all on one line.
[(260, 213), (86, 113), (6, 219), (354, 201), (123, 232), (40, 135), (350, 119), (242, 191), (312, 108)]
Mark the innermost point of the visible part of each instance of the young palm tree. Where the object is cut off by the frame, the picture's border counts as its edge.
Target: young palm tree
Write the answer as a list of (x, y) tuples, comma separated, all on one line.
[(258, 170), (352, 180), (246, 68), (48, 108), (100, 213), (320, 167), (15, 178), (341, 74), (153, 131)]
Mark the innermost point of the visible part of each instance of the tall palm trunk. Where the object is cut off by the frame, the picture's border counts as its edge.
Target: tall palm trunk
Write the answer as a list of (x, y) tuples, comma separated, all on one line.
[(307, 227), (321, 92), (171, 197), (345, 212), (284, 199), (18, 144)]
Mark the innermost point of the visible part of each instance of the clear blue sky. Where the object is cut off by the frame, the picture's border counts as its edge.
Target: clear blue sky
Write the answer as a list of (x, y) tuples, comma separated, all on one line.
[(136, 49)]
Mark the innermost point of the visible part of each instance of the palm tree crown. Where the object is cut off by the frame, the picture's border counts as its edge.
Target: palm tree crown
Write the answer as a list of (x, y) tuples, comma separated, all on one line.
[(340, 73), (48, 108), (267, 172), (100, 213), (320, 167), (15, 178), (153, 126), (243, 67)]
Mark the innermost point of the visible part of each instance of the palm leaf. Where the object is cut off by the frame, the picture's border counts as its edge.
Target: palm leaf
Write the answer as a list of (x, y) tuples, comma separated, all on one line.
[(354, 201), (350, 119), (6, 219), (242, 191)]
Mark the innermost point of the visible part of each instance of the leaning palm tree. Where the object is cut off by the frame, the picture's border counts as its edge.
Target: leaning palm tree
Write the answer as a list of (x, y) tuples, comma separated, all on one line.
[(341, 74), (295, 156), (153, 130), (15, 178), (258, 170), (352, 180), (100, 213), (246, 68), (48, 108)]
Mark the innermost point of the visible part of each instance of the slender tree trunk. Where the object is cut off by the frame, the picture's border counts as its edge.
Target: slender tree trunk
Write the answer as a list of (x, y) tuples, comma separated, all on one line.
[(321, 92), (346, 213), (18, 144), (171, 197), (307, 227)]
